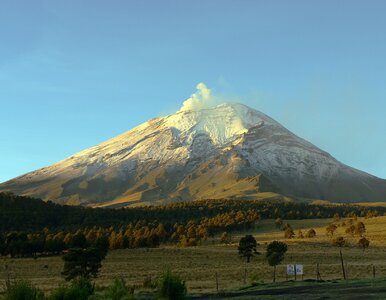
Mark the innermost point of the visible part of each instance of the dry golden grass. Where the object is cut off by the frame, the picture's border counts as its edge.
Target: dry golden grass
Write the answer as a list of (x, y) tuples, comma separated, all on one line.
[(198, 265), (372, 204)]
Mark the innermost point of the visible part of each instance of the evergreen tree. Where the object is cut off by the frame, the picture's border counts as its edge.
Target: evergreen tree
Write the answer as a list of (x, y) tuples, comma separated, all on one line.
[(247, 247), (78, 240), (275, 255), (82, 263)]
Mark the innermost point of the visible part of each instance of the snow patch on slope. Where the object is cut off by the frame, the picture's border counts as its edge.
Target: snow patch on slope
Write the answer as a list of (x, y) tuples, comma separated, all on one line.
[(222, 123)]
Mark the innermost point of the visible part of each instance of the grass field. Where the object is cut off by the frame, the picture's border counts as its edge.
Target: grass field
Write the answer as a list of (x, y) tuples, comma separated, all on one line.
[(198, 265)]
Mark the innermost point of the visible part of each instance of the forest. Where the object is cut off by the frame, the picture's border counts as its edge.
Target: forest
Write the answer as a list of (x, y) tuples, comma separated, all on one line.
[(30, 227)]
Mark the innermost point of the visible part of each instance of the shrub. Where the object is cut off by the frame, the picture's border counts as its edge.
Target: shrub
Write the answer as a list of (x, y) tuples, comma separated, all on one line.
[(286, 226), (23, 290), (255, 280), (187, 242), (278, 222), (330, 229), (311, 233), (360, 229), (80, 289), (149, 283), (289, 233), (350, 230), (225, 238), (339, 242), (172, 287), (118, 290), (364, 243)]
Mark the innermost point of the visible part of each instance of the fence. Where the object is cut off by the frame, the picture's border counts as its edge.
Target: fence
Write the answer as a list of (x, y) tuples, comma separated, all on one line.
[(316, 272)]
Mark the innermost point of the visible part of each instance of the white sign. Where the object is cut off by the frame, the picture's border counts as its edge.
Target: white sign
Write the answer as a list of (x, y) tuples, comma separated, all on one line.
[(291, 269)]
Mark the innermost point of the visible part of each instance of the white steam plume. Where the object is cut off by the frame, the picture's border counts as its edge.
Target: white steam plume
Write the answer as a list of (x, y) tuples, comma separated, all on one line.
[(201, 99)]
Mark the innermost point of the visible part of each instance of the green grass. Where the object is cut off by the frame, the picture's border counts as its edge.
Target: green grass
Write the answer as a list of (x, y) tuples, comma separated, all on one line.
[(350, 289)]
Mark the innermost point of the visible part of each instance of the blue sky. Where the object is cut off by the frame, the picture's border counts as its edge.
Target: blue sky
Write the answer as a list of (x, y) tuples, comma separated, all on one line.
[(75, 73)]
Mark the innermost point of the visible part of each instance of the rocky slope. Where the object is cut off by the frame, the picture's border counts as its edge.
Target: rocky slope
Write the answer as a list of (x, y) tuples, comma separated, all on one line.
[(229, 151)]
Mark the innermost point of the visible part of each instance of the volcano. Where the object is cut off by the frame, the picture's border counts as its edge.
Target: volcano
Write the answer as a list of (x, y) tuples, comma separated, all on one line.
[(229, 151)]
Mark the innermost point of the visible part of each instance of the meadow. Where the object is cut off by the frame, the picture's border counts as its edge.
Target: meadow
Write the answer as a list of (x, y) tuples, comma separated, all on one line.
[(199, 265)]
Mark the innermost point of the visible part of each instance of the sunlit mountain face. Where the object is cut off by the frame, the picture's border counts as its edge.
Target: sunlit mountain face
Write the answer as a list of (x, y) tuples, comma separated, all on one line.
[(224, 151)]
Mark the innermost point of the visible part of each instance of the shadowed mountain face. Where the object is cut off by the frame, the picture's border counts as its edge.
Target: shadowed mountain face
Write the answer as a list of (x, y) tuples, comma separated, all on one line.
[(230, 151)]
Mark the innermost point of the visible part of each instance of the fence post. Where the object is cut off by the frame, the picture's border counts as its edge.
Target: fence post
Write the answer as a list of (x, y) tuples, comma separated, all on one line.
[(341, 260), (295, 271), (318, 277), (373, 272), (216, 281), (317, 271)]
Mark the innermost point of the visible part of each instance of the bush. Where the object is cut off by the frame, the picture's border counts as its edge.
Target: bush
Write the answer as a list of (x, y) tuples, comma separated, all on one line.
[(339, 242), (311, 233), (364, 243), (289, 233), (23, 290), (255, 280), (149, 283), (79, 289), (225, 238), (172, 287), (118, 290)]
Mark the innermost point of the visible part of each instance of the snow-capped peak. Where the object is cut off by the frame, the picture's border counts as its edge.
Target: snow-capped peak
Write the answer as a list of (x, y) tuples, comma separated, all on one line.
[(221, 123)]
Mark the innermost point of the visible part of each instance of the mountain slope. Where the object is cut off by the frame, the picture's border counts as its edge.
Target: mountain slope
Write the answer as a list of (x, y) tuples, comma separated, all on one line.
[(230, 151)]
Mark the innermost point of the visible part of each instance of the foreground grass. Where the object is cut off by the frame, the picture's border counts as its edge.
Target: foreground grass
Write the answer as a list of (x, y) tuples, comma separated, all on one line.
[(309, 289), (199, 265), (350, 289)]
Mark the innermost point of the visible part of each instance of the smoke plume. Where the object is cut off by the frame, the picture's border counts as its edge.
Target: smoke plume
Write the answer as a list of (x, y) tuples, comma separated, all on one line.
[(202, 98)]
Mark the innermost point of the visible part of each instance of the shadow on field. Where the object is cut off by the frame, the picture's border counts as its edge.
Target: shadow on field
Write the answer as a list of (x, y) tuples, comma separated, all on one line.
[(354, 289)]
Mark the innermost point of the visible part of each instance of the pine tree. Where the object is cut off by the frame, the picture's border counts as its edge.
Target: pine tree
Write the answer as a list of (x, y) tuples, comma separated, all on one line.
[(275, 254), (80, 262), (247, 247)]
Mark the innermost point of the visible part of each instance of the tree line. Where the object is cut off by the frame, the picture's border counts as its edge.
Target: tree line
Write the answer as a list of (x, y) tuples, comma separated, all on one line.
[(30, 227), (134, 235), (18, 213)]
